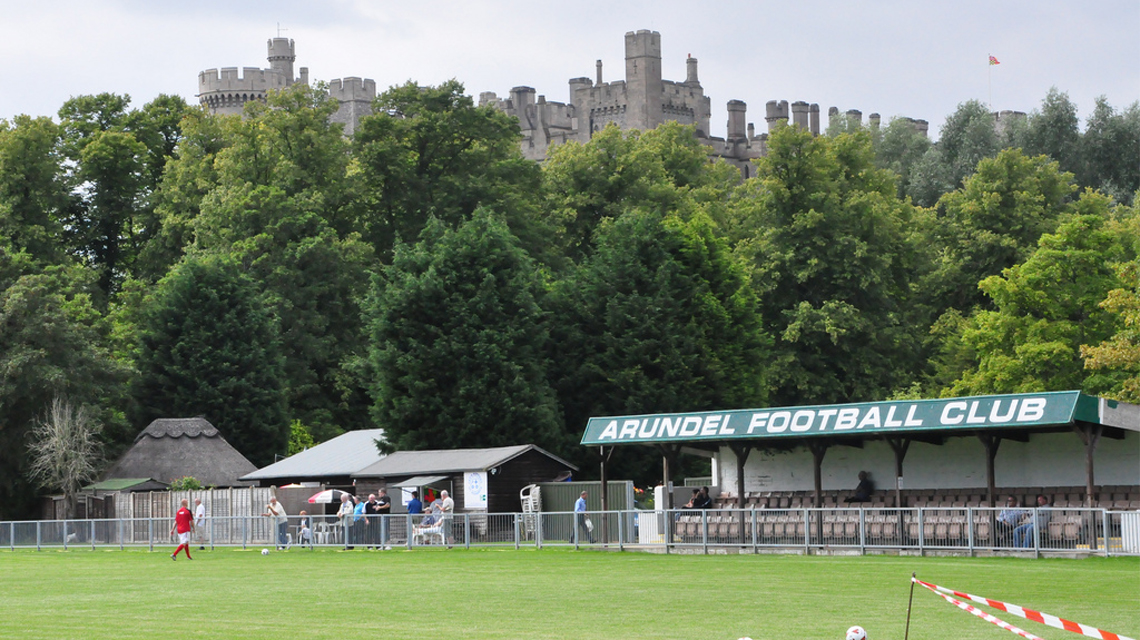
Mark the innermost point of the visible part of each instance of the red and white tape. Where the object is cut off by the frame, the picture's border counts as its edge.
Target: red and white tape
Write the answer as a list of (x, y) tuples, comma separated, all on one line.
[(1028, 614)]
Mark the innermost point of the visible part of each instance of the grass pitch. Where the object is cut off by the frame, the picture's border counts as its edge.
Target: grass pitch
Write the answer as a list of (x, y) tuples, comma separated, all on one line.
[(548, 593)]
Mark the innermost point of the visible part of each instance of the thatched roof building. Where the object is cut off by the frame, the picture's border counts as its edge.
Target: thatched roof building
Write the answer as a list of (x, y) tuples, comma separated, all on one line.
[(170, 448)]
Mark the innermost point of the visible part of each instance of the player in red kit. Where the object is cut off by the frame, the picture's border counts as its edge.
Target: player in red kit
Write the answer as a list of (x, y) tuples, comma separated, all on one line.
[(184, 525)]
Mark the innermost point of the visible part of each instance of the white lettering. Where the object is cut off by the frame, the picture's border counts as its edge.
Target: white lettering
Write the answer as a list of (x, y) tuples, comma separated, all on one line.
[(648, 433), (628, 428), (952, 406), (888, 422), (610, 432), (994, 417), (802, 420), (710, 425), (910, 421), (847, 418), (1031, 409), (669, 427), (758, 420), (691, 426), (973, 418), (724, 430), (825, 415), (783, 417), (871, 419)]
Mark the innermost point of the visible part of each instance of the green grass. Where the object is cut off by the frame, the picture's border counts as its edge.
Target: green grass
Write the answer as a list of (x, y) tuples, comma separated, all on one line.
[(548, 593)]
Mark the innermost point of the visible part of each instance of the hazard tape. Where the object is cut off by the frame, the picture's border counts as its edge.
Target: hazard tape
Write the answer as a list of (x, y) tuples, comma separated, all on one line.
[(978, 612), (1028, 614)]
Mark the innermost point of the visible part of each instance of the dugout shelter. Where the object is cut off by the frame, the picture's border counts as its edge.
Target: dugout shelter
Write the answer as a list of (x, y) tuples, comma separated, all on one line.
[(1051, 439)]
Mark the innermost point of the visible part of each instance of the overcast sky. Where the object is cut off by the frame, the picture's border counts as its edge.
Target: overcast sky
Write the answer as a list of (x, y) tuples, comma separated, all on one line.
[(918, 59)]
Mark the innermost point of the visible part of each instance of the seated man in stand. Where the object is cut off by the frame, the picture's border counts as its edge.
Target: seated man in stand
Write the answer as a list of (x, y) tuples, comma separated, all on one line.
[(863, 490), (1023, 534)]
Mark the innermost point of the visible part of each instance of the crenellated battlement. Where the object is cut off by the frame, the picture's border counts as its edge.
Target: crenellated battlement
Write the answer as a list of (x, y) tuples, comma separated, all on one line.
[(248, 79), (352, 88)]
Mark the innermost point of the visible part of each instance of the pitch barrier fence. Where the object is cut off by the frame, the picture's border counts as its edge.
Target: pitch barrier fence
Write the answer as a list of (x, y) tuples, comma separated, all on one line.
[(966, 530)]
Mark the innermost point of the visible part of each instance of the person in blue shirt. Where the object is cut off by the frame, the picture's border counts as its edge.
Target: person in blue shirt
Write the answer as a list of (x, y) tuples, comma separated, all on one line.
[(414, 505), (580, 515)]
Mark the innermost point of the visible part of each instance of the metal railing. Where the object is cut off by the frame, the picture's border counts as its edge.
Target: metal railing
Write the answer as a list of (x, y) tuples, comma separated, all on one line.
[(942, 529)]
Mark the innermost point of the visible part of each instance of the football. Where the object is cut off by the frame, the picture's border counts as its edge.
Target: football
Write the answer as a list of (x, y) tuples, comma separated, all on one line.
[(265, 552), (856, 633)]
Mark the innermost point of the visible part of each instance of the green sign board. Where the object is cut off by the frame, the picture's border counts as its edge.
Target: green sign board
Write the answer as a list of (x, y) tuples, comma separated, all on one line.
[(870, 418)]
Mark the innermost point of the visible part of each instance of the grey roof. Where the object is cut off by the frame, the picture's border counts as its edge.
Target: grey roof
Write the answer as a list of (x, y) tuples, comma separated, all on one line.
[(344, 455), (408, 463), (172, 448)]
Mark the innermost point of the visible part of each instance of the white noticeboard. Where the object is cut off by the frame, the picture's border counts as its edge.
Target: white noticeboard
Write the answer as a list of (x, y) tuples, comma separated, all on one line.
[(475, 490)]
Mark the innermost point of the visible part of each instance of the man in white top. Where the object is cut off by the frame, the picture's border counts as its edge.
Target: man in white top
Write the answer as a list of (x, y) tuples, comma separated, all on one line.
[(447, 508), (200, 523), (276, 510)]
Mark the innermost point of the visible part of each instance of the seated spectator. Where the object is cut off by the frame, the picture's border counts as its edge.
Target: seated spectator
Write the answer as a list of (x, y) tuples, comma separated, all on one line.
[(1008, 519), (692, 500), (702, 500), (864, 489), (1023, 534)]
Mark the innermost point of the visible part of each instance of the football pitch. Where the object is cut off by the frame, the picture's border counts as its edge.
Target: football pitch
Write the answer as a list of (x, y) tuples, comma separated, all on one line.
[(547, 593)]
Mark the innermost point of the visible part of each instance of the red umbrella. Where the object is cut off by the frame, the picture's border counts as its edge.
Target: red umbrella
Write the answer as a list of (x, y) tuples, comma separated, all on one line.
[(328, 496)]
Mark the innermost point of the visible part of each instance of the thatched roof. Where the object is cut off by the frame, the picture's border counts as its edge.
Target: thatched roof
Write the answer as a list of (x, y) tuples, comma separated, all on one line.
[(170, 448)]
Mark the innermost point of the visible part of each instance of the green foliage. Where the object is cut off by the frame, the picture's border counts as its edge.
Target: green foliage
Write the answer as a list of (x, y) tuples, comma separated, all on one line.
[(965, 139), (1120, 353), (209, 347), (51, 344), (300, 437), (1045, 309), (1110, 151), (994, 222), (186, 483), (900, 147), (33, 195), (430, 152), (833, 265), (458, 341)]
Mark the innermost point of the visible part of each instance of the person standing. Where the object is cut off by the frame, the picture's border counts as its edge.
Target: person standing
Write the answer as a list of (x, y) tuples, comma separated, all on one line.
[(447, 509), (184, 526), (200, 523), (384, 509), (371, 521), (580, 516), (345, 513), (276, 510), (415, 507)]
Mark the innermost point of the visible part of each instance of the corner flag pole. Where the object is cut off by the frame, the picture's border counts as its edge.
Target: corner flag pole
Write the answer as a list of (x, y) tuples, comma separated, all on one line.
[(906, 634)]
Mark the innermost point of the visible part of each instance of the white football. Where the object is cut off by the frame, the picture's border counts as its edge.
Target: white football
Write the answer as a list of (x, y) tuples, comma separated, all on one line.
[(265, 552), (856, 633)]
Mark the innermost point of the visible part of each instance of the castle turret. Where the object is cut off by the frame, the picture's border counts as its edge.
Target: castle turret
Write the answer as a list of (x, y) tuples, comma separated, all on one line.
[(814, 112), (643, 79), (691, 71), (800, 114), (737, 111), (599, 66), (282, 54), (922, 126), (355, 96), (774, 112)]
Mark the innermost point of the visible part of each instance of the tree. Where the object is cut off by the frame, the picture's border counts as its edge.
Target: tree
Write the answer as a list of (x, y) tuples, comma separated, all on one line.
[(300, 438), (430, 152), (52, 343), (65, 450), (33, 195), (1110, 151), (209, 347), (660, 317), (664, 170), (965, 139), (1054, 131), (458, 341), (1045, 309), (832, 263), (1120, 352), (901, 146), (992, 223)]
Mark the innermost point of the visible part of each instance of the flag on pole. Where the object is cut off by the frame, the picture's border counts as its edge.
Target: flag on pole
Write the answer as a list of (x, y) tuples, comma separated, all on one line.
[(993, 61)]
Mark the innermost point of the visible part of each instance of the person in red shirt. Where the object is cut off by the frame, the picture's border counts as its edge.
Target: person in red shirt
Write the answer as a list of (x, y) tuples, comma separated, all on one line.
[(184, 525)]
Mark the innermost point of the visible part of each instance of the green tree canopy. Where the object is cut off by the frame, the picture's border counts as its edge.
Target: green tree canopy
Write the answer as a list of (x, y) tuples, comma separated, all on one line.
[(209, 347), (458, 343)]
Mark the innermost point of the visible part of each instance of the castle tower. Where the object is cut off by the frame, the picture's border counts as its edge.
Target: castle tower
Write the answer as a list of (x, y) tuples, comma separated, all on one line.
[(643, 79), (281, 56)]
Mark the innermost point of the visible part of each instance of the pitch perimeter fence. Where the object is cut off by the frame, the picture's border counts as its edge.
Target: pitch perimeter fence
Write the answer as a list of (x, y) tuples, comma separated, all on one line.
[(958, 530)]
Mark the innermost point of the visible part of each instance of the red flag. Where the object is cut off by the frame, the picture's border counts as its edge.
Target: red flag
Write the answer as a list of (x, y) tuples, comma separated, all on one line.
[(993, 61)]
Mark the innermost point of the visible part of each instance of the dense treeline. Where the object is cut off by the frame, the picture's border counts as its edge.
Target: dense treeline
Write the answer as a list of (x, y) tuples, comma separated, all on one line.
[(285, 281)]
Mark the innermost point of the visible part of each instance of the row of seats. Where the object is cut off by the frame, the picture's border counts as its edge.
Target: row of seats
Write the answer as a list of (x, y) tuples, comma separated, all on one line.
[(1119, 497)]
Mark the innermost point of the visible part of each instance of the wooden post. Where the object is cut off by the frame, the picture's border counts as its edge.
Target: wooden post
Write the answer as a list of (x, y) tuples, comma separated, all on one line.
[(741, 452), (991, 443), (900, 446), (1090, 436), (605, 457), (818, 449)]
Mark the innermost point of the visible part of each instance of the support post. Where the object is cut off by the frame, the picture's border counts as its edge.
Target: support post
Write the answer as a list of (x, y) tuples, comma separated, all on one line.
[(900, 446), (991, 443), (605, 457), (741, 453), (818, 450)]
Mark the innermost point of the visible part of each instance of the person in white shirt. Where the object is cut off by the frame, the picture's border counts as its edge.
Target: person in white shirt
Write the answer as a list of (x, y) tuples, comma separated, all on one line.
[(447, 508), (200, 522)]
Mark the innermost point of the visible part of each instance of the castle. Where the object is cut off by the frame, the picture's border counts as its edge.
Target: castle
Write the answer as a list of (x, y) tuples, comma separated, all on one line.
[(642, 100)]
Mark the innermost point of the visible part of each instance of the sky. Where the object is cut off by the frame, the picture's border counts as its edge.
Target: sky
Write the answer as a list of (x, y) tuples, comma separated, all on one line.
[(919, 59)]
